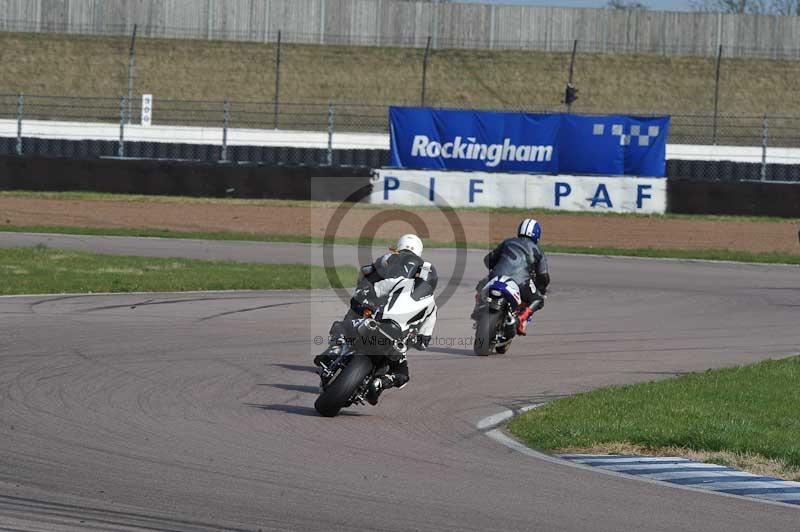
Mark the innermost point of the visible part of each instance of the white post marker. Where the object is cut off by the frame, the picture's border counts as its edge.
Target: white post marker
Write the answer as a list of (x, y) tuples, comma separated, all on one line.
[(147, 110)]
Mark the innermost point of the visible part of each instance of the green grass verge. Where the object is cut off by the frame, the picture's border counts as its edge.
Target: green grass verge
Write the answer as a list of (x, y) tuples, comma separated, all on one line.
[(39, 270), (139, 198), (688, 254), (745, 410), (243, 71)]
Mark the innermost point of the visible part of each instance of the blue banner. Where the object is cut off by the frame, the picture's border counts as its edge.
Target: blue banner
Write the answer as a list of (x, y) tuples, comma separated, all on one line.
[(444, 139)]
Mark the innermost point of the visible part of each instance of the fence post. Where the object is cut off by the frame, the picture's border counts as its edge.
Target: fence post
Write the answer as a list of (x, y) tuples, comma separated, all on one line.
[(277, 79), (567, 99), (209, 19), (121, 146), (225, 121), (331, 111), (764, 142), (425, 70), (436, 4), (716, 96), (491, 26), (322, 16), (20, 111), (131, 67), (378, 19)]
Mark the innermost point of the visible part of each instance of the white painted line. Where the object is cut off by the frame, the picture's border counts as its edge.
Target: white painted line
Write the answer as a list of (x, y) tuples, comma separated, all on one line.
[(787, 498), (756, 484), (645, 467), (494, 419), (631, 460), (597, 456), (705, 474)]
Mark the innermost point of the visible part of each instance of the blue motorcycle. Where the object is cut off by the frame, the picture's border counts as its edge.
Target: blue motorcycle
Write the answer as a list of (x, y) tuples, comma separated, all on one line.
[(497, 320)]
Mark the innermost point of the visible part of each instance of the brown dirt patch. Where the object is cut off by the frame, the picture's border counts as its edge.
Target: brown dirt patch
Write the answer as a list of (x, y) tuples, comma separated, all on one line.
[(479, 227)]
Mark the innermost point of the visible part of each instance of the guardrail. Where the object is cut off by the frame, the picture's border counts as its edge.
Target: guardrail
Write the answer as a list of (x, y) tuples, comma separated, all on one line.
[(237, 131)]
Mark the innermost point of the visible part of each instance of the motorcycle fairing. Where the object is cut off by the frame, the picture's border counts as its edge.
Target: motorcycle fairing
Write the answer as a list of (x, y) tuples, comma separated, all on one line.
[(503, 286)]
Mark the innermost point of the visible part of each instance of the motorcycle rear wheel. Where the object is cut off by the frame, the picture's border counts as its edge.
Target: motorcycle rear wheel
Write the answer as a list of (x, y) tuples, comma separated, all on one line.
[(344, 386), (485, 332)]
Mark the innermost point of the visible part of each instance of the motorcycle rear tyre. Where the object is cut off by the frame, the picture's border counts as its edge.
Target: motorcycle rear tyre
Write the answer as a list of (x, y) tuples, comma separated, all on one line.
[(341, 390), (485, 332)]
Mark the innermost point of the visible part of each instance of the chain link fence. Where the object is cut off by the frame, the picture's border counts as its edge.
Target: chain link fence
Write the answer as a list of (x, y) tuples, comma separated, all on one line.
[(282, 73), (330, 134)]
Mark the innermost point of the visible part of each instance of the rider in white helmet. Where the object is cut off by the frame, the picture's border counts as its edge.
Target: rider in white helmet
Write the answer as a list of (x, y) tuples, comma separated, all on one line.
[(377, 279)]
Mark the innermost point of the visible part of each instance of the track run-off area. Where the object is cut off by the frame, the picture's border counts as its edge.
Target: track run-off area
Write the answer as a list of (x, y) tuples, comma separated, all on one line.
[(194, 411)]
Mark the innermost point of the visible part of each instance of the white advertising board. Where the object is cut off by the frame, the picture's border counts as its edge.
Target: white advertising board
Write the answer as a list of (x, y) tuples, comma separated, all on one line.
[(623, 194), (147, 110)]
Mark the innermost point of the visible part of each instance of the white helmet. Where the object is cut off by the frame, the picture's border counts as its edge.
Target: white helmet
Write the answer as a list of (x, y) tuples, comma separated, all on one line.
[(411, 243)]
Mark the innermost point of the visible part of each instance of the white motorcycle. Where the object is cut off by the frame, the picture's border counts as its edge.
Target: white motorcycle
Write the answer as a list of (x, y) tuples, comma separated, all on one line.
[(381, 336)]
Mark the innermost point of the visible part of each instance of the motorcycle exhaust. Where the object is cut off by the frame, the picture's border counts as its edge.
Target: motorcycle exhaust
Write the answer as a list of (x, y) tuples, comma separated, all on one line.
[(367, 327), (510, 326)]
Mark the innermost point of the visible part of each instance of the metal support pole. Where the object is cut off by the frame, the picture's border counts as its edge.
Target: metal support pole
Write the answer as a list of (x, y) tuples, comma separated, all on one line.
[(764, 142), (425, 71), (331, 111), (322, 21), (209, 18), (20, 112), (716, 96), (226, 116), (491, 26), (131, 67), (436, 4), (277, 79), (121, 147), (571, 71)]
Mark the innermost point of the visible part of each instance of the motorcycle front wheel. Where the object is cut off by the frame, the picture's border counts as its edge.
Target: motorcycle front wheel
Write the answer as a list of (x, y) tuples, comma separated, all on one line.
[(485, 332), (342, 388)]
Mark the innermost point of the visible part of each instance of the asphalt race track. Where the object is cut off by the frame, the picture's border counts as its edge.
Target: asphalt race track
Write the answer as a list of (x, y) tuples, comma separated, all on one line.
[(195, 411)]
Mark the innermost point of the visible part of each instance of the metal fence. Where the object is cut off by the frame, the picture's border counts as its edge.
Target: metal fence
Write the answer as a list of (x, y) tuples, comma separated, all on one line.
[(313, 133), (282, 73), (402, 23)]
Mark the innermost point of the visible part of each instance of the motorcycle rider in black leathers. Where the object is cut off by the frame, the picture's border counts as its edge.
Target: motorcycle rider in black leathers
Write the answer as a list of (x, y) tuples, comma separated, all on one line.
[(521, 259), (404, 262)]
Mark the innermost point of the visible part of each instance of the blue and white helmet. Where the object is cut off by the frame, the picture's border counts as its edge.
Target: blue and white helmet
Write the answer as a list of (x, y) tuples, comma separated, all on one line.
[(530, 228)]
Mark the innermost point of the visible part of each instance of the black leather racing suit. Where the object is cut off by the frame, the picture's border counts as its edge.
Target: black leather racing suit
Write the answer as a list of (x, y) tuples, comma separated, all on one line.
[(525, 262), (404, 264)]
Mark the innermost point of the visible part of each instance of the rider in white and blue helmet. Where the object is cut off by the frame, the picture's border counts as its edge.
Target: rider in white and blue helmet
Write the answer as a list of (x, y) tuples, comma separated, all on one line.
[(522, 259)]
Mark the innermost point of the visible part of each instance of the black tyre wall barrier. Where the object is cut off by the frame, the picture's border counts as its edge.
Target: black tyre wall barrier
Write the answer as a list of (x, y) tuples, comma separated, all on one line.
[(276, 155), (181, 178), (730, 171), (335, 183), (741, 198)]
